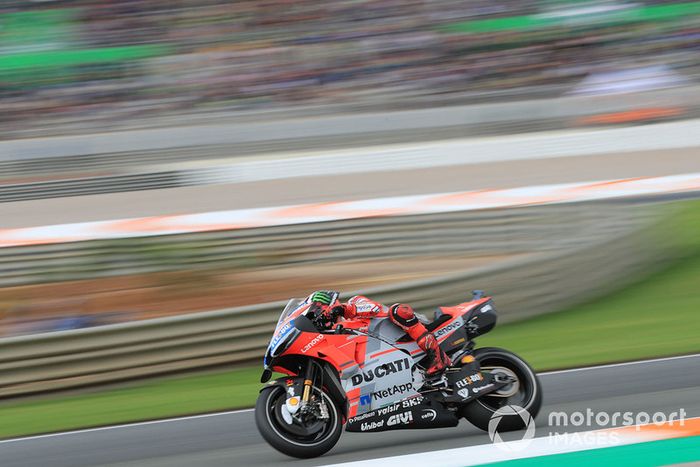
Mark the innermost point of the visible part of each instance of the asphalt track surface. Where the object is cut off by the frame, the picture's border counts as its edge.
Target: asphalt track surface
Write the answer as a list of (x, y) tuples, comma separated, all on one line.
[(484, 176), (665, 385)]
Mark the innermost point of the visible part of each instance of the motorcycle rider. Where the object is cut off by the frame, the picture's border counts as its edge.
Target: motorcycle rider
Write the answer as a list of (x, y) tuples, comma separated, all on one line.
[(327, 309)]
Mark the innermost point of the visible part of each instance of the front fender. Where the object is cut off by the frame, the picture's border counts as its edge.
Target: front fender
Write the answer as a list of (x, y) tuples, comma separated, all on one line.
[(331, 385), (292, 385)]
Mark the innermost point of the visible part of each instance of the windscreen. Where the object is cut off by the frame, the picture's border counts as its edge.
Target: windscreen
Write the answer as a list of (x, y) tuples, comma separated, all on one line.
[(292, 305)]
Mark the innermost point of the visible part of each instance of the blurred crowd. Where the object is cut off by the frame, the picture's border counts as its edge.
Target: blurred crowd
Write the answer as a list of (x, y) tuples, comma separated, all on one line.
[(101, 63)]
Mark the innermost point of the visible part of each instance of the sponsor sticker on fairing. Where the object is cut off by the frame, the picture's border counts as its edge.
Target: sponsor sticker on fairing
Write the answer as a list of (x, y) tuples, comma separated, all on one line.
[(449, 328), (371, 425), (366, 307), (469, 380), (389, 409), (383, 394), (396, 389), (486, 387), (284, 330), (315, 341), (400, 419), (381, 371), (412, 402), (363, 416)]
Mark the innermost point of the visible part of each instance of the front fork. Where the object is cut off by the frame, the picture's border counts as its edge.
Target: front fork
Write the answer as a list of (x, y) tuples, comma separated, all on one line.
[(299, 389), (308, 383)]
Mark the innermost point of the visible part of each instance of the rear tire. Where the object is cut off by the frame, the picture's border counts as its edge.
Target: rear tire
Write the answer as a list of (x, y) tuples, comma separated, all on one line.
[(273, 430), (528, 395)]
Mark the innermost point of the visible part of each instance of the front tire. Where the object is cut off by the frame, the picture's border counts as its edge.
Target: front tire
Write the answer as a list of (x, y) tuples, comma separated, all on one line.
[(291, 439), (526, 393)]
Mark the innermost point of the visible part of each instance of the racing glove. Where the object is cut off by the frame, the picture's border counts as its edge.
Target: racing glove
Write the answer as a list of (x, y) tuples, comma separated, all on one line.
[(325, 308)]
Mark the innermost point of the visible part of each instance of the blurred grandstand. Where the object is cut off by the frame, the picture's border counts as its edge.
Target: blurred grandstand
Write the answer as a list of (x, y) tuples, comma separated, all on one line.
[(70, 66), (128, 254)]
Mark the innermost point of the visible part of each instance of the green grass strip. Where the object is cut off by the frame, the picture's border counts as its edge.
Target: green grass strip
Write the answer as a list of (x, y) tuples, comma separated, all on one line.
[(652, 454), (658, 316), (158, 399)]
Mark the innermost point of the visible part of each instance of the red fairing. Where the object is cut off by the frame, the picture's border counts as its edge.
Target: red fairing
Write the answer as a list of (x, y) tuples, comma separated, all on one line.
[(340, 350), (459, 310), (344, 351)]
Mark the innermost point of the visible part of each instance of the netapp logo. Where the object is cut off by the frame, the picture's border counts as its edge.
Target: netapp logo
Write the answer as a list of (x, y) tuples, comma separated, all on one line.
[(397, 389), (381, 371), (449, 328)]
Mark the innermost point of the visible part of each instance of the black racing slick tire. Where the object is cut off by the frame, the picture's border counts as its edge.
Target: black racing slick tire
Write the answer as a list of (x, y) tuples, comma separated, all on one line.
[(527, 395), (273, 429)]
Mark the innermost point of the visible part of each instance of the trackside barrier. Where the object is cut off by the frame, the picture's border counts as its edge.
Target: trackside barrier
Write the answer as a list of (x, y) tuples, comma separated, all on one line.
[(481, 232), (543, 281)]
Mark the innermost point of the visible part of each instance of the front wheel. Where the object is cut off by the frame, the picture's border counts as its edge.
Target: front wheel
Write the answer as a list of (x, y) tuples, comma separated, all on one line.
[(524, 392), (308, 433)]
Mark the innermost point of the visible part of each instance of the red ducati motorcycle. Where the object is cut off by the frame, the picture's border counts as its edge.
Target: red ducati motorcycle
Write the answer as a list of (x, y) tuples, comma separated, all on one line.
[(368, 376)]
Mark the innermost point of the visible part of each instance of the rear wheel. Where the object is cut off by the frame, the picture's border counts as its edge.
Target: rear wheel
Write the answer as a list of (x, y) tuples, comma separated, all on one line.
[(308, 433), (523, 394)]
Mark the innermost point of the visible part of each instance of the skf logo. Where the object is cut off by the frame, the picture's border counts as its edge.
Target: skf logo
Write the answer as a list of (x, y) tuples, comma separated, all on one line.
[(366, 399), (412, 402)]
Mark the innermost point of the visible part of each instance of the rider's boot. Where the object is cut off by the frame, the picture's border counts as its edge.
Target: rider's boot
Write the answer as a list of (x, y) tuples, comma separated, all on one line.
[(403, 316), (438, 361)]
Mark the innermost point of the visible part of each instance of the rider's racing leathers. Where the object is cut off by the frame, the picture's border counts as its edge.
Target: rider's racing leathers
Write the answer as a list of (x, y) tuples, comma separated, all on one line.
[(326, 304)]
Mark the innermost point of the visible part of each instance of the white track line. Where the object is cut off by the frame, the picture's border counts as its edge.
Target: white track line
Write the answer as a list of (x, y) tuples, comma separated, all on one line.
[(125, 425), (482, 454), (232, 412), (613, 365)]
